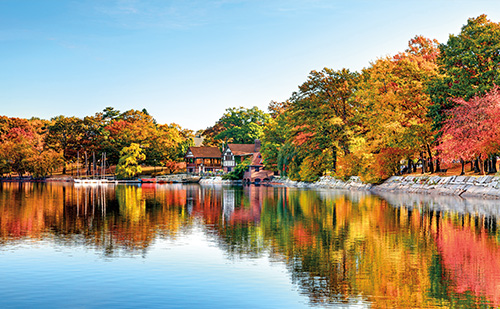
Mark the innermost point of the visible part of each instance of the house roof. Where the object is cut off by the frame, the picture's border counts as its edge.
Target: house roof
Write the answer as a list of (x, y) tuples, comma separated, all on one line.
[(242, 149), (256, 159), (205, 152)]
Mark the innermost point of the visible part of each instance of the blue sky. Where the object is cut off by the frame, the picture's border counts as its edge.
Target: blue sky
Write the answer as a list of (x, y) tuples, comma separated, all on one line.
[(187, 61)]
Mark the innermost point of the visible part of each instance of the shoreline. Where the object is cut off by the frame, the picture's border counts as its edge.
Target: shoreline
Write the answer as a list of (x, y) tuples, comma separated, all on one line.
[(460, 186)]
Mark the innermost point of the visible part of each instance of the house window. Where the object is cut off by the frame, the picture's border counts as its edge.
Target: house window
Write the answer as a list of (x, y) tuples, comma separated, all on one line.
[(229, 169), (257, 168)]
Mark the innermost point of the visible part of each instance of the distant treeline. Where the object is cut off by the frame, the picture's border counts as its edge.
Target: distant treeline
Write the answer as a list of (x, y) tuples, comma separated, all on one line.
[(39, 147)]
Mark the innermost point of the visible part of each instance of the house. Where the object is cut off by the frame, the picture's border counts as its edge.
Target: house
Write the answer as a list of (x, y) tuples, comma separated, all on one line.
[(203, 159), (234, 154), (256, 172)]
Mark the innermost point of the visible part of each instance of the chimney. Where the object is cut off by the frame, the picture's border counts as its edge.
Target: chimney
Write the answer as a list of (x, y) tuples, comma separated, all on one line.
[(257, 145)]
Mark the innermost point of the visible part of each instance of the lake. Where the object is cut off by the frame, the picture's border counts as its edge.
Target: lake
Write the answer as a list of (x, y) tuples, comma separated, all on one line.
[(182, 246)]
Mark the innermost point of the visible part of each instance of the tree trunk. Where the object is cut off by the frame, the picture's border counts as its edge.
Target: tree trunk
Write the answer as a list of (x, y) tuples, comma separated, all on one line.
[(335, 161), (471, 166), (94, 164), (431, 165), (493, 164), (422, 159), (64, 165), (438, 165), (87, 167), (463, 167), (408, 167), (481, 166), (476, 165)]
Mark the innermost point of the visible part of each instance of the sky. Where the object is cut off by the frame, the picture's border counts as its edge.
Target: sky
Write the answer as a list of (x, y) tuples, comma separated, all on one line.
[(186, 61)]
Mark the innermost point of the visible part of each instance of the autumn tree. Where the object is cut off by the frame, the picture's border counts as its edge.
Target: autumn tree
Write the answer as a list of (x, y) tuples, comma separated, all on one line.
[(321, 115), (168, 145), (65, 134), (42, 163), (394, 104), (129, 127), (472, 129), (468, 64), (22, 148), (128, 164)]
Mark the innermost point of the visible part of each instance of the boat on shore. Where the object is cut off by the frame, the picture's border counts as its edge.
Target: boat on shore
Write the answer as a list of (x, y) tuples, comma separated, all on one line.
[(148, 180)]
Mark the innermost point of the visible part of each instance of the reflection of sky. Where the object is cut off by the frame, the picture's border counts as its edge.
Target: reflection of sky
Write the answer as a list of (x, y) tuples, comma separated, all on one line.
[(190, 271), (227, 246)]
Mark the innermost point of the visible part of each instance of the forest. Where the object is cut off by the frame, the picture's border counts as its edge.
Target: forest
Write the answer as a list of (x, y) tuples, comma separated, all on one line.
[(423, 108)]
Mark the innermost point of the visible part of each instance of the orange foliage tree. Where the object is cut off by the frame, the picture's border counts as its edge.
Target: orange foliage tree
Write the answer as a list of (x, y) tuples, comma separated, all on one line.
[(394, 105)]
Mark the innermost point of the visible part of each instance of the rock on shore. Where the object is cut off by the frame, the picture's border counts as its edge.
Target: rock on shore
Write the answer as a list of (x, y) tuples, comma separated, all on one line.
[(353, 183), (465, 186)]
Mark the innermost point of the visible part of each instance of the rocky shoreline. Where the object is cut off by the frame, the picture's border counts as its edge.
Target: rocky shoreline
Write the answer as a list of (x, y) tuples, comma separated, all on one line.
[(353, 183), (462, 186), (459, 186)]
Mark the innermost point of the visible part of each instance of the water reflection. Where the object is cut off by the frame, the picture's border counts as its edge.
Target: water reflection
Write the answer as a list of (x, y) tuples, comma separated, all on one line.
[(390, 251)]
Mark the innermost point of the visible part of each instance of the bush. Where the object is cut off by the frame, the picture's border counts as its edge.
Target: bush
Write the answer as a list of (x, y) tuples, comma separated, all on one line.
[(383, 165), (239, 171)]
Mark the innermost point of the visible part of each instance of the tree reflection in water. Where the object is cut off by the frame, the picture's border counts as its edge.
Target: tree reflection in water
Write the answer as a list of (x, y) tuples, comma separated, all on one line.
[(391, 251)]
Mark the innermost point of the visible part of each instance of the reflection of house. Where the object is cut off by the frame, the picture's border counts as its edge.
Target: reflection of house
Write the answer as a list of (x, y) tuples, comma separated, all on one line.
[(203, 159), (249, 214), (228, 203)]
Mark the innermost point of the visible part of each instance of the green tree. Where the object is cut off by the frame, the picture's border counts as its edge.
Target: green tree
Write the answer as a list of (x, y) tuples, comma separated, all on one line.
[(321, 116), (128, 164), (238, 125), (239, 170), (275, 134), (469, 64)]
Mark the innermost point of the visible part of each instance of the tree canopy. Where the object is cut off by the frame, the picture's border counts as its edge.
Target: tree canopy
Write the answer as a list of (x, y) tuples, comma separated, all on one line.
[(469, 65), (237, 125)]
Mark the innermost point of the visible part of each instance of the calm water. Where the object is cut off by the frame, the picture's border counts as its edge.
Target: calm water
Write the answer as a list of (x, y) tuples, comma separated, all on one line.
[(235, 247)]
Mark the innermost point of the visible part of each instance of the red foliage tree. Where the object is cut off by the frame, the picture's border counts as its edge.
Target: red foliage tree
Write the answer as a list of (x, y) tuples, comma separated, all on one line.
[(472, 130)]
